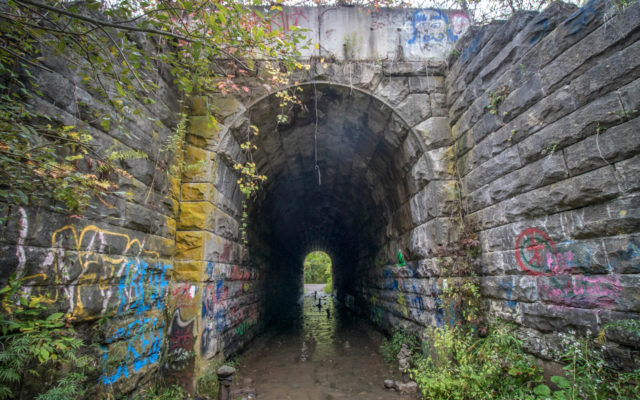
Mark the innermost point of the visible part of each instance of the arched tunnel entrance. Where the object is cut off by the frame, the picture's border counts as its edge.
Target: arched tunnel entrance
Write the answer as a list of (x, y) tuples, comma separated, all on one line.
[(337, 181), (341, 178)]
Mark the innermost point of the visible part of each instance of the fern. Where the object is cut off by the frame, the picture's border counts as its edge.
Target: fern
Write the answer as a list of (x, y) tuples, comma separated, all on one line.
[(32, 343), (123, 155)]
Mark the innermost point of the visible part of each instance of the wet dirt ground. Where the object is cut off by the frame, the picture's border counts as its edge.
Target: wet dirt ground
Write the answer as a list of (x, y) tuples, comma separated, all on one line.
[(329, 354)]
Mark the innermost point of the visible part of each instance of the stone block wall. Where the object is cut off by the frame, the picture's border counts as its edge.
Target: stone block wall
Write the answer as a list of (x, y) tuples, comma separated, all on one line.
[(544, 113), (110, 267), (218, 291)]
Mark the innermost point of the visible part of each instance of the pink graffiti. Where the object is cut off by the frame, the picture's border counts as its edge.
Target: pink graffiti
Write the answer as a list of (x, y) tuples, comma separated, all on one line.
[(226, 251), (459, 23), (598, 290), (183, 295), (558, 263), (285, 21), (536, 254), (240, 274)]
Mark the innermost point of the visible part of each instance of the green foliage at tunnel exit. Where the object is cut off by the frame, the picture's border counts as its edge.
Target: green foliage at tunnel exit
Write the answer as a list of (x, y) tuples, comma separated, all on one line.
[(317, 267)]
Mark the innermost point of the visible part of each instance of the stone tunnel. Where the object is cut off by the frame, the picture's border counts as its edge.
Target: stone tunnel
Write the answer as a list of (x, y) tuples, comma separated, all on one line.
[(528, 127)]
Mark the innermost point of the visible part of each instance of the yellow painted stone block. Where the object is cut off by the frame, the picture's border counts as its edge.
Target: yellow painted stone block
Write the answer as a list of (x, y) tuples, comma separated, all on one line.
[(195, 191), (196, 215), (175, 186), (203, 127), (197, 141), (189, 271), (198, 105), (189, 245), (171, 226), (205, 162), (175, 206)]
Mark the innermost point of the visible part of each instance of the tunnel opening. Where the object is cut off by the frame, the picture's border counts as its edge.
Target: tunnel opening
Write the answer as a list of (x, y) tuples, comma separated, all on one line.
[(339, 178), (317, 268)]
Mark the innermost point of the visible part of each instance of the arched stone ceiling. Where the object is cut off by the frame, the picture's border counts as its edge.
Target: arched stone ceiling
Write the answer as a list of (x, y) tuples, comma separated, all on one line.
[(352, 211)]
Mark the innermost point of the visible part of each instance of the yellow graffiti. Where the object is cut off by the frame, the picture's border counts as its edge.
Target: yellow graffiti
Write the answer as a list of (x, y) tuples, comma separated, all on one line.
[(88, 244), (246, 286), (403, 303)]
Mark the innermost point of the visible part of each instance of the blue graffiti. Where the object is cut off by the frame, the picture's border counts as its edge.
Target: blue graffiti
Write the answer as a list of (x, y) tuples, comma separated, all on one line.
[(142, 287), (221, 322), (429, 26), (439, 314), (149, 348), (581, 18), (416, 302), (540, 30), (471, 49), (219, 289), (630, 254), (508, 288)]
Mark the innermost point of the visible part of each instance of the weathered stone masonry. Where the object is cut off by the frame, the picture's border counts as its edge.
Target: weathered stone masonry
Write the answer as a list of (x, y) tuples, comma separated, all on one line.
[(531, 124)]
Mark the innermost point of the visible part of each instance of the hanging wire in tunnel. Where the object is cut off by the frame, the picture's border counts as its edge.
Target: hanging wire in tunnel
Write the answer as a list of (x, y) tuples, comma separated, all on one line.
[(315, 134)]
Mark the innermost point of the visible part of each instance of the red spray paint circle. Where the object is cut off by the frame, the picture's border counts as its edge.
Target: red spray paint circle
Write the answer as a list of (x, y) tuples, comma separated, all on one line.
[(532, 248)]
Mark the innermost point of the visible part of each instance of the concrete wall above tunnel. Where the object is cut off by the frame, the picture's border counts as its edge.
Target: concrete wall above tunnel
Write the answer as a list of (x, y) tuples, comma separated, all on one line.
[(356, 33)]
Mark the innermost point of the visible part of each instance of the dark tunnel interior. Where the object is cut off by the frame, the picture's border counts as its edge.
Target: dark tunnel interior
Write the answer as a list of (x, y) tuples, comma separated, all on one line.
[(353, 208)]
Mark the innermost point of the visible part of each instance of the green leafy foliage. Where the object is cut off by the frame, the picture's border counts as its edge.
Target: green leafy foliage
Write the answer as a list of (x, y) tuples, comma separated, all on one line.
[(317, 267), (328, 288), (391, 347), (460, 365), (586, 373), (207, 46), (460, 292), (36, 345), (159, 392)]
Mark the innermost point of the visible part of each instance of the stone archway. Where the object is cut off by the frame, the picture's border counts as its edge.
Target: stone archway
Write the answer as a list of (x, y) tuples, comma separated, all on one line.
[(366, 202)]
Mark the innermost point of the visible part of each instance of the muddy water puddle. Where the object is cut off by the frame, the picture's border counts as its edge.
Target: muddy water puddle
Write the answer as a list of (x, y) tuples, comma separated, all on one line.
[(328, 354)]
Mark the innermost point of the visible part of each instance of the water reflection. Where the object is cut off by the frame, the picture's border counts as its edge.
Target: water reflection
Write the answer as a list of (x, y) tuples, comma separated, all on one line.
[(325, 354)]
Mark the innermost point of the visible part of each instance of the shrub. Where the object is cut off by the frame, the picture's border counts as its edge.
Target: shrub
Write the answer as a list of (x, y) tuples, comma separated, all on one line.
[(37, 345)]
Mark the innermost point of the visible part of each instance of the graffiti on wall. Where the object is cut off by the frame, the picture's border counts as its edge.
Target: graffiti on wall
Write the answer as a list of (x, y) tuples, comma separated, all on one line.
[(183, 295), (581, 18), (285, 19), (80, 261), (181, 341), (140, 341), (222, 306), (434, 28), (538, 255), (91, 281)]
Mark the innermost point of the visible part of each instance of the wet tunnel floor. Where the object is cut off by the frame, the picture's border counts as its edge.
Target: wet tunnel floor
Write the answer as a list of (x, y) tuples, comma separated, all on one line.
[(327, 355)]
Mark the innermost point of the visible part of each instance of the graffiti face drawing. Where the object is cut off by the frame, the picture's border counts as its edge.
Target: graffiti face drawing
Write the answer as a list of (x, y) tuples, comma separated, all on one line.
[(429, 26)]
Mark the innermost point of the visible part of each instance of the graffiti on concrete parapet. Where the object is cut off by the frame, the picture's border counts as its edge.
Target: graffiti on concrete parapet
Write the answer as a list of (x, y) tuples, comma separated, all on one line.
[(434, 26)]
